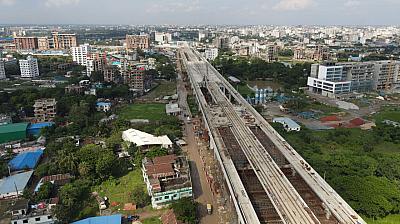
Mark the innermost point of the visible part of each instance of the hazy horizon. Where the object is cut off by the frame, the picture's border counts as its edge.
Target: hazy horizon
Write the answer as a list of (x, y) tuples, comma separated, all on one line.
[(200, 12)]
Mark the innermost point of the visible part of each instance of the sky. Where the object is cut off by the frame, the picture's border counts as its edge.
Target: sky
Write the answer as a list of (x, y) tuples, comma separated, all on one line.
[(181, 12)]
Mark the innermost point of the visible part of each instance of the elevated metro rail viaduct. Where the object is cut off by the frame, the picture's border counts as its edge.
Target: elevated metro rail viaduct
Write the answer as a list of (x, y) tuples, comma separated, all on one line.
[(306, 197)]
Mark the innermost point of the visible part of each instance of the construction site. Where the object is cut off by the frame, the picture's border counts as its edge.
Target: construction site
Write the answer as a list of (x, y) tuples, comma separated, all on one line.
[(268, 181)]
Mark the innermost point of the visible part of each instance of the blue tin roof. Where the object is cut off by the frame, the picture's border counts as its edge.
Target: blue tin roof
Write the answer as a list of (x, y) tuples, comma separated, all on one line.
[(26, 160), (112, 219), (19, 181), (40, 125)]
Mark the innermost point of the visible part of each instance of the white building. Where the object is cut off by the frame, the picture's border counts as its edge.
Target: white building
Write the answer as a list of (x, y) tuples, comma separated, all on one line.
[(211, 54), (331, 79), (29, 67), (162, 38), (288, 124), (80, 54), (2, 70), (145, 140)]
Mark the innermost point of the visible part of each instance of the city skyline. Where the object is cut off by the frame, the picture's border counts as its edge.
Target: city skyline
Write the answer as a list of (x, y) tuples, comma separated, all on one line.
[(240, 12)]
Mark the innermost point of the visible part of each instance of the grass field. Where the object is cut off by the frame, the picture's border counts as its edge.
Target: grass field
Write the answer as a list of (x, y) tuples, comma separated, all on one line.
[(390, 219), (153, 111), (393, 115), (244, 90), (326, 109), (164, 88), (118, 190), (153, 220)]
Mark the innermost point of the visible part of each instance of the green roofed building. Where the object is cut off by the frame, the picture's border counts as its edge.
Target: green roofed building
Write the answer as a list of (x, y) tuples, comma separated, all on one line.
[(13, 132)]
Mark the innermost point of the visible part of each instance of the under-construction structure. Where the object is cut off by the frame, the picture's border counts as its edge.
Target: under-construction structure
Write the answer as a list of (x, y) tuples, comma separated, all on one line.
[(269, 182)]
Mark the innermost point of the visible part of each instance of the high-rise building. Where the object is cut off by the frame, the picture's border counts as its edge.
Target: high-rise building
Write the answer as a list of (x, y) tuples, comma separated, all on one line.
[(137, 79), (80, 54), (137, 41), (29, 67), (62, 40), (26, 43), (2, 70), (95, 62), (271, 53), (111, 74), (331, 79), (45, 109)]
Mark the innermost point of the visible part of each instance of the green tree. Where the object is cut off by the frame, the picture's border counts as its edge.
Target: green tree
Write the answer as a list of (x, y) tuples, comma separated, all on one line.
[(140, 197), (72, 196), (185, 210), (46, 190)]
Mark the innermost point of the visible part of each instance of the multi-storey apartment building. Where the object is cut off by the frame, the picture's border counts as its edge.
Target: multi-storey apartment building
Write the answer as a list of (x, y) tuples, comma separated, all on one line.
[(331, 79), (111, 74), (26, 43), (2, 70), (43, 43), (45, 109), (80, 54), (137, 79), (62, 40), (137, 41), (211, 53), (167, 179), (95, 62), (271, 53), (29, 67)]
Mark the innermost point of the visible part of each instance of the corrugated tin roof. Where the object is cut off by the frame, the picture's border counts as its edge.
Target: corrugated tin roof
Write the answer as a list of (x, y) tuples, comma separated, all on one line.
[(16, 127), (112, 219), (8, 184), (40, 125), (26, 160)]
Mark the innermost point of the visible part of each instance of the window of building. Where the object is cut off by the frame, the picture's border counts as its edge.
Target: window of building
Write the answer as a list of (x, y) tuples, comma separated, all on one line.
[(49, 217), (166, 197), (37, 219), (25, 221)]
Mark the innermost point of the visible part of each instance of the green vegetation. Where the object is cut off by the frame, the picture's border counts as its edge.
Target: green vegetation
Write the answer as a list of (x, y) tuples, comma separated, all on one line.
[(120, 189), (154, 111), (390, 219), (185, 210), (252, 69), (153, 220), (392, 114), (74, 198), (244, 90), (164, 88), (362, 166), (194, 108)]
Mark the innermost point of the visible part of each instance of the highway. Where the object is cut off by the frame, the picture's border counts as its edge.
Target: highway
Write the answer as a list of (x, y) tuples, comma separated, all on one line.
[(233, 112)]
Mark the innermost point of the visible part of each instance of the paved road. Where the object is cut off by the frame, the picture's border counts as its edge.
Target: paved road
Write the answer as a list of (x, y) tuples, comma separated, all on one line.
[(201, 189)]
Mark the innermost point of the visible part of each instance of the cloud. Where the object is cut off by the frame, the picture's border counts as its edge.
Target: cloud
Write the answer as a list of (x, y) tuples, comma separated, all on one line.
[(59, 3), (293, 5), (352, 3), (7, 2), (174, 6)]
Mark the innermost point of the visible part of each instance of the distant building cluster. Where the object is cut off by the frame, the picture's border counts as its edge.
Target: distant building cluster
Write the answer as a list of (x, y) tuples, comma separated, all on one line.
[(55, 41)]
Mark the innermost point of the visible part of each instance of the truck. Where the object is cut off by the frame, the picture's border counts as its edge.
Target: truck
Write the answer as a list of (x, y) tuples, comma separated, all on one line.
[(209, 209)]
